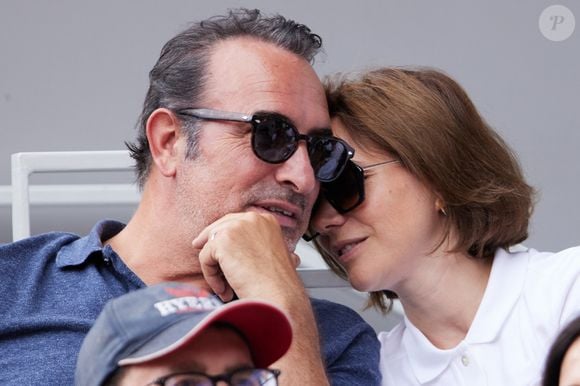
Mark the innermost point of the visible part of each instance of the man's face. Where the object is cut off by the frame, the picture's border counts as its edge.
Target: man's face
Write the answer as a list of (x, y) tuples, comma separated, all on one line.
[(248, 76), (213, 352)]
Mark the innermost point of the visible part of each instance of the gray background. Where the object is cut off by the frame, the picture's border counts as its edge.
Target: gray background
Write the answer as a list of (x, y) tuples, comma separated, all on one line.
[(73, 75)]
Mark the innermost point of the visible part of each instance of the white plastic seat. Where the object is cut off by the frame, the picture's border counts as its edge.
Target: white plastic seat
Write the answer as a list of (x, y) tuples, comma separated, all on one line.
[(313, 272)]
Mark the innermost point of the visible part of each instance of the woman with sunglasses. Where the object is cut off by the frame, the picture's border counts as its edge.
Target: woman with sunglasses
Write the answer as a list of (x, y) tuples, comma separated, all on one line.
[(431, 211)]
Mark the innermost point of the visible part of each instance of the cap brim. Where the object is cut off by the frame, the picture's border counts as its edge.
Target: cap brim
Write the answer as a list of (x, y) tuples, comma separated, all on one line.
[(265, 327)]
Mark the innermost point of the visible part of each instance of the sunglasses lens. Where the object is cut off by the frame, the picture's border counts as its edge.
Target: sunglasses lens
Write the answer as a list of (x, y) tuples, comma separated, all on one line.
[(347, 191), (274, 140), (328, 157)]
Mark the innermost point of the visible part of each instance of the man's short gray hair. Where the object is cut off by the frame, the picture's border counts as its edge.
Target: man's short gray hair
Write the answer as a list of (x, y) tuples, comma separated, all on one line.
[(178, 78)]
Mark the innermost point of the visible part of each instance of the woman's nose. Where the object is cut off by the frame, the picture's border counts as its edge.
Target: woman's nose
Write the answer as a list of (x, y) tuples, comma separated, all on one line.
[(325, 218)]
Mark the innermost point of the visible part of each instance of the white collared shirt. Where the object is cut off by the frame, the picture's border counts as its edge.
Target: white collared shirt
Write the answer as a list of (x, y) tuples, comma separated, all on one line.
[(530, 296)]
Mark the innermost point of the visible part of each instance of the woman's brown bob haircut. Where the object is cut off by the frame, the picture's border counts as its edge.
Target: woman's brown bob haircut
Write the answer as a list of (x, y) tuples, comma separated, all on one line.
[(426, 119)]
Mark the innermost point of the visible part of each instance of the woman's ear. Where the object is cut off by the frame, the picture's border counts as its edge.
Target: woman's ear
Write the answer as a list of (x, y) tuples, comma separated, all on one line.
[(440, 206), (163, 134)]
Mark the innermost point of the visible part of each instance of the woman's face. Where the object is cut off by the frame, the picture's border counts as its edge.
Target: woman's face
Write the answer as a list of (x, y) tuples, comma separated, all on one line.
[(384, 241)]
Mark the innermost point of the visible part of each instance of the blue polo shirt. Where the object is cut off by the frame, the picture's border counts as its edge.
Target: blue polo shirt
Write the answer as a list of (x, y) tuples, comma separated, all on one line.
[(53, 286)]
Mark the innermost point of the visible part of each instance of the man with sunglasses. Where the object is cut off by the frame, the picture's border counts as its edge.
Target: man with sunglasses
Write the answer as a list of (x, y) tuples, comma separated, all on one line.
[(233, 144), (174, 334)]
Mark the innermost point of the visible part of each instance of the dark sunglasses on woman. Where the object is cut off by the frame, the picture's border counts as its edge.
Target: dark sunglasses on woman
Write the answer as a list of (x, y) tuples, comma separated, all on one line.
[(346, 192), (275, 139)]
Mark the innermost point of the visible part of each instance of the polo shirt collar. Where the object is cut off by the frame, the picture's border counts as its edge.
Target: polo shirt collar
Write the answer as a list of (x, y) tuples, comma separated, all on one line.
[(503, 290), (77, 252), (427, 361)]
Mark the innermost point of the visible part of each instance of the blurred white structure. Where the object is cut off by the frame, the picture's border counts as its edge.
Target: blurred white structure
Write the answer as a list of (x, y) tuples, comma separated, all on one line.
[(312, 270)]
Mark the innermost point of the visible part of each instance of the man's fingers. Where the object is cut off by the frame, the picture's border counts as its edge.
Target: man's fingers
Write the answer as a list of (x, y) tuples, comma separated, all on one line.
[(201, 239), (295, 259), (217, 282), (213, 274)]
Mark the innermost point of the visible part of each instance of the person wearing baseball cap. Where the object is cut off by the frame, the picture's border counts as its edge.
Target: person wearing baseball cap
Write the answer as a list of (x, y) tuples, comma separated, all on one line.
[(176, 334)]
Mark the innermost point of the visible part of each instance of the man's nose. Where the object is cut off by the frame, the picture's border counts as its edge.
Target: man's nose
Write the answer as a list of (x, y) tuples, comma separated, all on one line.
[(297, 171)]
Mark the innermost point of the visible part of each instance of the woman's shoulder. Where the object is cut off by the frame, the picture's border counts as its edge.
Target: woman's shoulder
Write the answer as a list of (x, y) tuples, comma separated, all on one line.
[(552, 285), (548, 265), (391, 341), (541, 263)]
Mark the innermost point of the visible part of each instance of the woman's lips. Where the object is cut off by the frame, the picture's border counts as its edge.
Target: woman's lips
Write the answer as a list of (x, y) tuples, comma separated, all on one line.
[(344, 250)]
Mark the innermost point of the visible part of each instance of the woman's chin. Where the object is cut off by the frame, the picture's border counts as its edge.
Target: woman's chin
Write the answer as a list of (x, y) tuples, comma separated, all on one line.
[(361, 284)]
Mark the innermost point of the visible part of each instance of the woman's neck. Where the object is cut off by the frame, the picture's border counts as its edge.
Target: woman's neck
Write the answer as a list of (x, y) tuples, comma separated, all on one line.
[(442, 300)]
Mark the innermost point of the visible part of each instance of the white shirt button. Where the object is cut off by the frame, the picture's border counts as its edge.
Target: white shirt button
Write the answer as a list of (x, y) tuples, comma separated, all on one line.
[(465, 360)]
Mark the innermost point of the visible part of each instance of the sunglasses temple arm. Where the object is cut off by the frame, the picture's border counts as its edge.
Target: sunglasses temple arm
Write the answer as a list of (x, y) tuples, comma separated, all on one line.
[(309, 238)]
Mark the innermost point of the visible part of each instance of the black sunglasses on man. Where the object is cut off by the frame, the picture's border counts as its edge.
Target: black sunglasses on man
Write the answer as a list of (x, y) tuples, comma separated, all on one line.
[(275, 139)]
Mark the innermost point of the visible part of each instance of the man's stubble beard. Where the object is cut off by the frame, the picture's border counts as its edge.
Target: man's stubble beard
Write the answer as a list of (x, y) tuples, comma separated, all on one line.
[(197, 213)]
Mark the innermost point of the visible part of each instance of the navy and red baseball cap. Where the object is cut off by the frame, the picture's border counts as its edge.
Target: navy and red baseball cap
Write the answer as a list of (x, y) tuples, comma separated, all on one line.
[(149, 323)]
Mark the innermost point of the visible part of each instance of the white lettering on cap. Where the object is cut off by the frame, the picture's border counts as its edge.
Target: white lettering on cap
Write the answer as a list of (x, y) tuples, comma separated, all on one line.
[(186, 304)]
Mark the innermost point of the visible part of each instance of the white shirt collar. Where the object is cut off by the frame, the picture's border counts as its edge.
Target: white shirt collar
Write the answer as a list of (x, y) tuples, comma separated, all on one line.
[(503, 289)]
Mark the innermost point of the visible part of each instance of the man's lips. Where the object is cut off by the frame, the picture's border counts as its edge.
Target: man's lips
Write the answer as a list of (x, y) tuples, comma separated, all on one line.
[(287, 214)]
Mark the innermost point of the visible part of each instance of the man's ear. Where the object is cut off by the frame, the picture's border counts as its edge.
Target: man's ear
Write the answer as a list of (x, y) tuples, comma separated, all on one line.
[(163, 132)]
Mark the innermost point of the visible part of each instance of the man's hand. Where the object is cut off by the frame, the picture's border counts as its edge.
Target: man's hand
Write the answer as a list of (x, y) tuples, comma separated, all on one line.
[(246, 253)]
